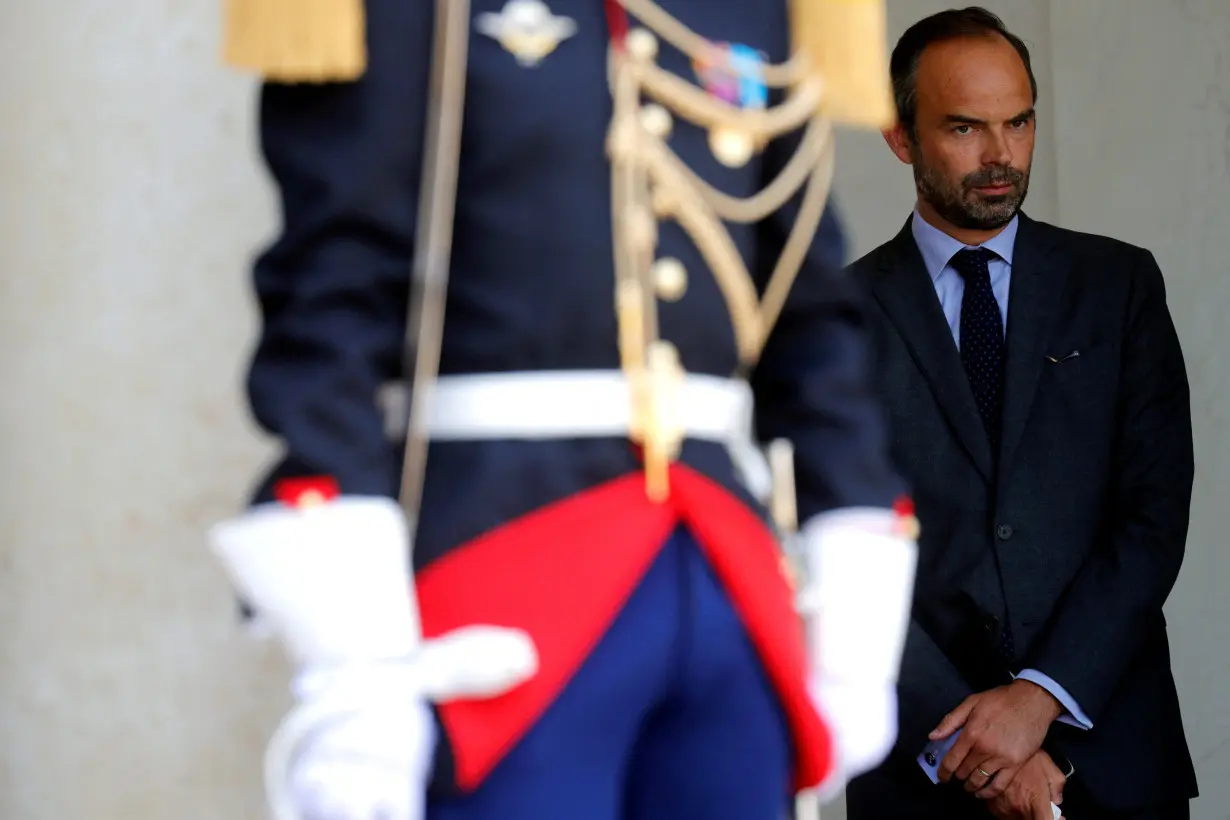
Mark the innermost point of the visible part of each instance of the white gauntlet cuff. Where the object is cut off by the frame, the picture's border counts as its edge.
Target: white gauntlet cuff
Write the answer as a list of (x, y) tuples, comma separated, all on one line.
[(332, 581), (860, 567)]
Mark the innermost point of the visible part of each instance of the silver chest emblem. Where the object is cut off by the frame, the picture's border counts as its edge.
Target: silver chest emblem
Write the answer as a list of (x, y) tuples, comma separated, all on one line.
[(526, 29)]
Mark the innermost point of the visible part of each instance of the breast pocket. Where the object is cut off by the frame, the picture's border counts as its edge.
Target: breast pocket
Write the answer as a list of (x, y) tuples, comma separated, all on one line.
[(1080, 362), (1079, 386)]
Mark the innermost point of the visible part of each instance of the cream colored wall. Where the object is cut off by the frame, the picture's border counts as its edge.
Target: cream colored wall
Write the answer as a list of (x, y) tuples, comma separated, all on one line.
[(1143, 138), (131, 202)]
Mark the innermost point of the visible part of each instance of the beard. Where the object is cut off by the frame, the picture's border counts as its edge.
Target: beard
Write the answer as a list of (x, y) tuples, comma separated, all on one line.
[(957, 201)]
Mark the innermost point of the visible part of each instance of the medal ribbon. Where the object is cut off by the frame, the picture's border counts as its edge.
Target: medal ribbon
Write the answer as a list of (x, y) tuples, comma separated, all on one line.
[(740, 82), (617, 23)]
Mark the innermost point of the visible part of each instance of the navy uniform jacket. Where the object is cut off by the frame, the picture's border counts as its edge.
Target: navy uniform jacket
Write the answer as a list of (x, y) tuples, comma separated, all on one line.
[(531, 284), (532, 288)]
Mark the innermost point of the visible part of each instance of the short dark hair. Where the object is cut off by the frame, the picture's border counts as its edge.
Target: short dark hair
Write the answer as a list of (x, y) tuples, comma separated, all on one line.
[(973, 21)]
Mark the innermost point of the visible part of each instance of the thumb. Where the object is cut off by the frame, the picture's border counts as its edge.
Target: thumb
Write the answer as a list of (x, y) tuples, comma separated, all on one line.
[(954, 720)]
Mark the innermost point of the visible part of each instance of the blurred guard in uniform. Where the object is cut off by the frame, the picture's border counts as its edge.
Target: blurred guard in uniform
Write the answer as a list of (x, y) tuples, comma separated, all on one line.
[(640, 264)]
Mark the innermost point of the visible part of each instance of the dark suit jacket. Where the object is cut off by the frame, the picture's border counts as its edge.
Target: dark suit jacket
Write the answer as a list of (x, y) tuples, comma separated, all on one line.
[(1075, 533)]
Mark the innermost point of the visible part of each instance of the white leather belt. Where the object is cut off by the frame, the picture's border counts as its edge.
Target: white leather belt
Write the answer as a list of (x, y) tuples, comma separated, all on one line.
[(544, 405)]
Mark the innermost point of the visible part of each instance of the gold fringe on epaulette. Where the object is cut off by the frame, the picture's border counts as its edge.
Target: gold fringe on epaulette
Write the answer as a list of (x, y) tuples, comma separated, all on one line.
[(297, 41), (846, 41)]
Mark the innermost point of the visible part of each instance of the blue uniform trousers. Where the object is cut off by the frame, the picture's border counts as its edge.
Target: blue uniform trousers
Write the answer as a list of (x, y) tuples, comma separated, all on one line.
[(670, 718)]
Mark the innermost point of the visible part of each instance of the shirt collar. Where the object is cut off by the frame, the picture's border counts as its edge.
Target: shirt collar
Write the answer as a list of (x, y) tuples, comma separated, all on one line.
[(938, 248)]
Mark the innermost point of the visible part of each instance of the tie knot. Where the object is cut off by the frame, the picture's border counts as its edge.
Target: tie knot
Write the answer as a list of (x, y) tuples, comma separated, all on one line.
[(973, 262)]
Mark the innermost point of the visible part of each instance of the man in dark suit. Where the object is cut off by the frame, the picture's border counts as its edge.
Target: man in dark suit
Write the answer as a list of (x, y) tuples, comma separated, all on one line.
[(1040, 408)]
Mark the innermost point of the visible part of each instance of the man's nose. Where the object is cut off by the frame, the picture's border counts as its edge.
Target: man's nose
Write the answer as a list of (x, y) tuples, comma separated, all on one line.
[(996, 151)]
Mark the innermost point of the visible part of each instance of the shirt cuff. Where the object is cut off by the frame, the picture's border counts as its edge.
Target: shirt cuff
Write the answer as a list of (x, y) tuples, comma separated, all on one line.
[(1074, 715), (933, 755)]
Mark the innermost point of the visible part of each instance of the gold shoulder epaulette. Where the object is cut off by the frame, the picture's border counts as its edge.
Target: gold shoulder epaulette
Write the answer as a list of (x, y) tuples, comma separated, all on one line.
[(845, 41), (296, 41)]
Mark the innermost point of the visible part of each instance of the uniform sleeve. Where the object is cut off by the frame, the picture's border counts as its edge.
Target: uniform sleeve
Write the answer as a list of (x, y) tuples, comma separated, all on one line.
[(813, 382), (332, 287)]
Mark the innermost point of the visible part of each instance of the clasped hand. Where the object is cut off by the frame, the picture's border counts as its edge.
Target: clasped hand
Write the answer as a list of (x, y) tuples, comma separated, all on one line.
[(1001, 730), (1030, 795)]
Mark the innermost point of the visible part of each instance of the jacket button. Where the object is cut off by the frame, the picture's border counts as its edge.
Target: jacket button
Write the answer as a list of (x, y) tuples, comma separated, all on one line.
[(1004, 532)]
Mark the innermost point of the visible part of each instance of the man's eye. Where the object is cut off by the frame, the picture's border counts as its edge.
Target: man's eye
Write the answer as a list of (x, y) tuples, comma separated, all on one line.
[(1020, 123), (962, 129)]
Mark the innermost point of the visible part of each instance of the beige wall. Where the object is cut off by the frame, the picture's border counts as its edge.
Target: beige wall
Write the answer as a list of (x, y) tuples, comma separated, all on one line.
[(131, 203), (1143, 127)]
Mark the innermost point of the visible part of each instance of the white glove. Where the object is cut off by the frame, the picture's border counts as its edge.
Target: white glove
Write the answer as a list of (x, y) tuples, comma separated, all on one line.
[(373, 765), (862, 721), (860, 579), (333, 582)]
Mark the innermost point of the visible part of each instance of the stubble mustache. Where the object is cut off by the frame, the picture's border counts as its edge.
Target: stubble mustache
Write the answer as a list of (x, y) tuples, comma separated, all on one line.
[(988, 177)]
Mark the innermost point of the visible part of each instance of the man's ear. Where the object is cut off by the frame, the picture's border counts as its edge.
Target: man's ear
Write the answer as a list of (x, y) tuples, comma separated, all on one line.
[(898, 139)]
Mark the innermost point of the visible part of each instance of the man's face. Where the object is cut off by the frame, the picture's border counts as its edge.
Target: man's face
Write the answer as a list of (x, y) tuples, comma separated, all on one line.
[(974, 127)]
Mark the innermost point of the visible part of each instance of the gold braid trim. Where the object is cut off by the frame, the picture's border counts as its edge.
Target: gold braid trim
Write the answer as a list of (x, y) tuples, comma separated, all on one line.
[(651, 183)]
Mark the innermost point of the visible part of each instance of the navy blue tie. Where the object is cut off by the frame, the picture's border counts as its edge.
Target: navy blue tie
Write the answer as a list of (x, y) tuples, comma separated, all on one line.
[(982, 338), (982, 355)]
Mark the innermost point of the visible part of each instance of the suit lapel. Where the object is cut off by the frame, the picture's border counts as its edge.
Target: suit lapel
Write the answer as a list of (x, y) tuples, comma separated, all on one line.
[(905, 291), (1038, 269)]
